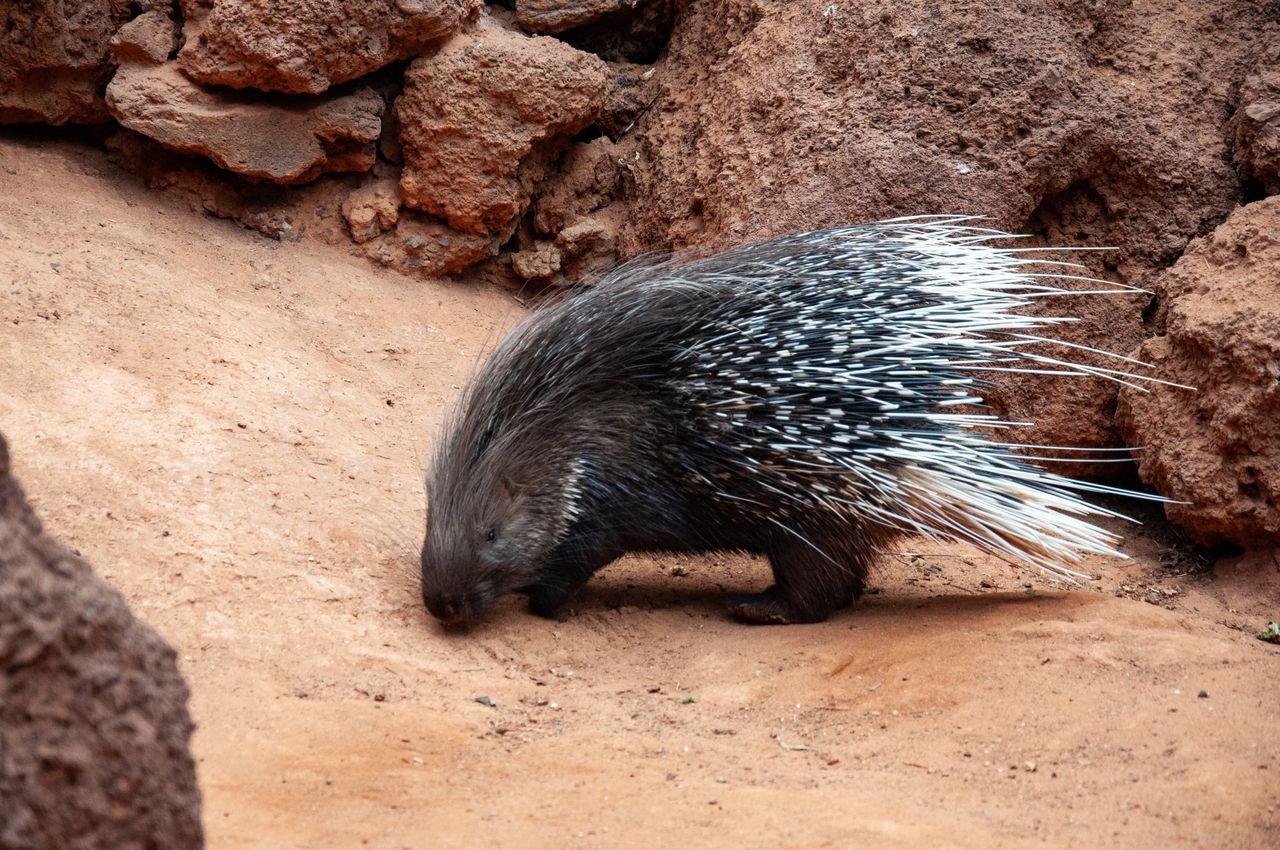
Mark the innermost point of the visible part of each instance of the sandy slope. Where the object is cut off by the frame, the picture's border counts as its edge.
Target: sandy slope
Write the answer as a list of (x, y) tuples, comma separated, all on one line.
[(232, 430)]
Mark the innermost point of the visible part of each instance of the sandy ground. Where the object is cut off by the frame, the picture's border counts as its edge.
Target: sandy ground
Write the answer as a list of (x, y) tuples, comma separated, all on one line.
[(232, 430)]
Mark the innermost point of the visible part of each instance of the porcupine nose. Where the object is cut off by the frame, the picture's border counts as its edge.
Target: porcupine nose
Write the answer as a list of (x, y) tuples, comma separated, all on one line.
[(451, 612)]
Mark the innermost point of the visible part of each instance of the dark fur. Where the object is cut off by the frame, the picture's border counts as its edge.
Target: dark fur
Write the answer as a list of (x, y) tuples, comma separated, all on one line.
[(593, 381)]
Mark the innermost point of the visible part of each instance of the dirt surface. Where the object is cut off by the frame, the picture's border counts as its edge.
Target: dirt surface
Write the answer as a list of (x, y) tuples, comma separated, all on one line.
[(233, 429)]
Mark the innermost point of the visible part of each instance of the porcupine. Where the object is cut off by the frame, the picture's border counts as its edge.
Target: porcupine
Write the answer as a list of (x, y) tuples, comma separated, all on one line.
[(807, 398)]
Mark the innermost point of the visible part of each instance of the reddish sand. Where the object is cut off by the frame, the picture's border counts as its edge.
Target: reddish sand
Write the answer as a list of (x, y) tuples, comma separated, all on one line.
[(232, 430)]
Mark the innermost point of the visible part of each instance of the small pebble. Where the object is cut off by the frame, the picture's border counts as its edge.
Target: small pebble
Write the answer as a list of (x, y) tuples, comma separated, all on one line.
[(486, 701), (1203, 695)]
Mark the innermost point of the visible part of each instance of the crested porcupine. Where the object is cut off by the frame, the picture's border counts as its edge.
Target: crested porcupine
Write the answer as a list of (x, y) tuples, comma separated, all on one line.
[(807, 398)]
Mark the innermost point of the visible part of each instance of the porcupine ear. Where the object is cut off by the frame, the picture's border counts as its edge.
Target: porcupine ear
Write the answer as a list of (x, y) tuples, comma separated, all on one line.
[(510, 495)]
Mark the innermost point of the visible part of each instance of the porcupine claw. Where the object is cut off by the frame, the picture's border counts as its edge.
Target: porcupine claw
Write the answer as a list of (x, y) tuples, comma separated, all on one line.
[(765, 609)]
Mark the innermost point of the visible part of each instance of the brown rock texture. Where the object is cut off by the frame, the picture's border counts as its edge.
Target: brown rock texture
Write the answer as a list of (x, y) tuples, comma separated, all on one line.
[(586, 179), (1217, 448), (372, 209), (420, 244), (54, 58), (151, 38), (94, 727), (1256, 124), (551, 16), (305, 46), (480, 121), (781, 116), (284, 140)]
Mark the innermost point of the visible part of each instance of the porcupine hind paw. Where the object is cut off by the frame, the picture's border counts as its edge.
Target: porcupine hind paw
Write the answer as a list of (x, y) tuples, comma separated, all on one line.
[(810, 585), (772, 607), (768, 608)]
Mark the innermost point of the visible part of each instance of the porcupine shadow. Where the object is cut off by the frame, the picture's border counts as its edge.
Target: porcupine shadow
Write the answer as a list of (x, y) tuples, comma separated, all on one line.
[(644, 582)]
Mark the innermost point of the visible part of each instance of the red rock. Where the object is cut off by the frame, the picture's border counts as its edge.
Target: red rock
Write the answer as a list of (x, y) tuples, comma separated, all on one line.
[(306, 46), (480, 119), (54, 58), (284, 140), (425, 246), (1217, 447), (94, 729), (372, 209), (587, 178), (551, 16), (1256, 125), (540, 262), (151, 38)]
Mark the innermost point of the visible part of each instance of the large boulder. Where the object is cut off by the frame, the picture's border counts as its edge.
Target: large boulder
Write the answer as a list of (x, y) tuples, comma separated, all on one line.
[(306, 46), (282, 139), (55, 57), (481, 120), (1216, 448), (94, 729)]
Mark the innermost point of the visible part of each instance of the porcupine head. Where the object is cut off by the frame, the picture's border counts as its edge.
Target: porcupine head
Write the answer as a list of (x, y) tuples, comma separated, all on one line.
[(505, 489), (493, 516)]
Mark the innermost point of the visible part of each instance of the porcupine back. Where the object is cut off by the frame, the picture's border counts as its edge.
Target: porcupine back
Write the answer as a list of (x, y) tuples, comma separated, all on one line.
[(824, 380)]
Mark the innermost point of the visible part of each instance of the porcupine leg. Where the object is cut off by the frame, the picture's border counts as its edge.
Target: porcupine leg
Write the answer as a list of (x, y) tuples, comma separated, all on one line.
[(562, 578), (810, 582)]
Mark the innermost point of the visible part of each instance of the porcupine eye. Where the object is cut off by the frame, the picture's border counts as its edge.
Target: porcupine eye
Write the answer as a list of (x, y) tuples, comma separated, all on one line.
[(492, 535)]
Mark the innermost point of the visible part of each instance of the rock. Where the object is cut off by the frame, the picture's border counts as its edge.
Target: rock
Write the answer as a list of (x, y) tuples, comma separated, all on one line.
[(422, 245), (372, 209), (54, 58), (588, 249), (780, 117), (306, 46), (283, 140), (628, 97), (1217, 447), (542, 261), (94, 729), (481, 118), (1256, 126), (636, 32), (580, 253), (149, 38), (551, 16), (587, 178)]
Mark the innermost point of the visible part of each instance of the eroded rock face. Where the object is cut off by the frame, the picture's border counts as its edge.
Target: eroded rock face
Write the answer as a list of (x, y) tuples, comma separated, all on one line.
[(284, 140), (305, 46), (94, 728), (1256, 125), (54, 58), (480, 118), (1217, 447)]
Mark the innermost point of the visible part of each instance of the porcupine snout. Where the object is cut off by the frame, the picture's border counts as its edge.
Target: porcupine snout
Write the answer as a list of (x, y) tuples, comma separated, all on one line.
[(446, 598), (451, 611)]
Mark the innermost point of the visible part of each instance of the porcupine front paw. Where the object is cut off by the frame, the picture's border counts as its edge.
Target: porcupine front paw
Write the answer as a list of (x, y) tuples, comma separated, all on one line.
[(770, 608), (546, 598)]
